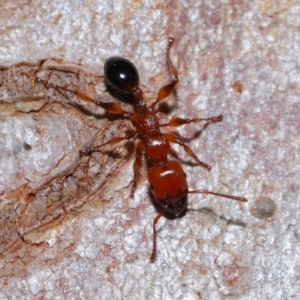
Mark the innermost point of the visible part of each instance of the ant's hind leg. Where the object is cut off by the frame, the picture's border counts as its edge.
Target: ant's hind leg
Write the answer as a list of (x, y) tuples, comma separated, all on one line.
[(109, 107), (174, 139), (166, 90), (136, 166)]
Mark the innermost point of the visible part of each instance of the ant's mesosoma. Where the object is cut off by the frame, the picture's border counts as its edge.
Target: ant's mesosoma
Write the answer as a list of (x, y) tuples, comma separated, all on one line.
[(166, 177)]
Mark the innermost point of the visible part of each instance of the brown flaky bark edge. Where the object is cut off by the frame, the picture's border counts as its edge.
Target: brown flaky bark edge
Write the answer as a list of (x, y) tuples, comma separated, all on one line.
[(71, 184)]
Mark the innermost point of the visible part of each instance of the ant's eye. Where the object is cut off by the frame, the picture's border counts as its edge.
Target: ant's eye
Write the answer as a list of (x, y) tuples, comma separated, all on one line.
[(151, 187), (121, 74), (184, 174)]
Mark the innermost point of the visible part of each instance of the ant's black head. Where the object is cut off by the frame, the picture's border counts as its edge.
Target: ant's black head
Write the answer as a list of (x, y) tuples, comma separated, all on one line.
[(175, 206), (121, 74)]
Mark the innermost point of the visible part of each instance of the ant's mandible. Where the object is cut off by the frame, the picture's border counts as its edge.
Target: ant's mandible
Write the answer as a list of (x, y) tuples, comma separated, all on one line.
[(166, 177)]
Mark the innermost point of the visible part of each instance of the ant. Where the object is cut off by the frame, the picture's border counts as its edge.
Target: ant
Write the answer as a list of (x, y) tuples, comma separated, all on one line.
[(166, 177)]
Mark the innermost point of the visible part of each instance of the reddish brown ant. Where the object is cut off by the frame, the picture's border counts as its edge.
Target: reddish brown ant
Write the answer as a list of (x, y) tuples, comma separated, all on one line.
[(166, 177)]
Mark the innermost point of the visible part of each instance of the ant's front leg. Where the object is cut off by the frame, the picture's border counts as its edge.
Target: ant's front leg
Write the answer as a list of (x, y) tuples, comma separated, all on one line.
[(137, 166), (174, 139), (176, 122)]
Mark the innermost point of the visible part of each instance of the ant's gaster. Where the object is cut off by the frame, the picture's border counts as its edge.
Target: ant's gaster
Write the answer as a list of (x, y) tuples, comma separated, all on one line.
[(166, 177)]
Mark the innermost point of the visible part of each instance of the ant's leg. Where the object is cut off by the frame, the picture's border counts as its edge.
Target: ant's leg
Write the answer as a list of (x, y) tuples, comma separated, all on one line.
[(174, 139), (166, 90), (115, 140), (88, 151), (156, 219), (176, 122), (109, 107), (136, 166)]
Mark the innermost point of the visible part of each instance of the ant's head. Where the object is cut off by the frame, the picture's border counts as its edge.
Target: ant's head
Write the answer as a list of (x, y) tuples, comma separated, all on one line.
[(169, 186), (175, 205), (121, 74)]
